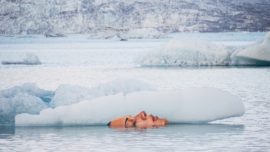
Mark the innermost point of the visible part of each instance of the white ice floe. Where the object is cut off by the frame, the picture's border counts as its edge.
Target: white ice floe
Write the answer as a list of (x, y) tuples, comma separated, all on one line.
[(69, 94), (193, 105), (256, 54), (27, 98), (187, 53), (28, 59)]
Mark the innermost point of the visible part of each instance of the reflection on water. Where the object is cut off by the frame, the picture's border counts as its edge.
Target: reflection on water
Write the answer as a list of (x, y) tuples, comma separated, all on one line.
[(9, 130), (183, 129), (101, 138), (190, 129)]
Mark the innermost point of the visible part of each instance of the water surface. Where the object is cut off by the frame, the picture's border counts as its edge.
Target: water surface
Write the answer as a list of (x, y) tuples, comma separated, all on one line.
[(96, 62)]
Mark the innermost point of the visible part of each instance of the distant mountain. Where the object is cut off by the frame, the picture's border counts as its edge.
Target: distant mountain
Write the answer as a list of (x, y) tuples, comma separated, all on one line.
[(123, 16)]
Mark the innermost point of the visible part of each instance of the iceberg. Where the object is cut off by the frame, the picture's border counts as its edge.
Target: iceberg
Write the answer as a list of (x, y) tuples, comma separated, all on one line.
[(194, 52), (187, 53), (30, 89), (27, 98), (257, 54), (193, 105), (70, 94), (29, 59)]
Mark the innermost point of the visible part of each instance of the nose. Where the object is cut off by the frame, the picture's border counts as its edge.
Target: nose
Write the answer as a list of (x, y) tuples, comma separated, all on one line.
[(144, 114)]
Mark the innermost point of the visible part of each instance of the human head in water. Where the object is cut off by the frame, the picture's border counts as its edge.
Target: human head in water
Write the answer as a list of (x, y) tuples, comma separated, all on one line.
[(141, 120)]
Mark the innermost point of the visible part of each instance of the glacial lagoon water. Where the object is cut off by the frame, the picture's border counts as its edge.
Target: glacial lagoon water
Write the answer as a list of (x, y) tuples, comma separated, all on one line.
[(250, 132), (96, 138)]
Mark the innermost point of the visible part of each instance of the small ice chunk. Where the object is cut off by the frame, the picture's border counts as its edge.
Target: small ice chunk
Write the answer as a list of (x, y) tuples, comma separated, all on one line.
[(29, 59)]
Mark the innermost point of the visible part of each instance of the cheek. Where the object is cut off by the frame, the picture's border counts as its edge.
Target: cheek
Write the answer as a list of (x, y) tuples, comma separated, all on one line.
[(145, 124), (129, 124), (150, 120), (139, 119), (140, 123)]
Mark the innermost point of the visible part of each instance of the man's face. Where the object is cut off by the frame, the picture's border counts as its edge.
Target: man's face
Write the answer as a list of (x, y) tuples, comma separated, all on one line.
[(141, 120)]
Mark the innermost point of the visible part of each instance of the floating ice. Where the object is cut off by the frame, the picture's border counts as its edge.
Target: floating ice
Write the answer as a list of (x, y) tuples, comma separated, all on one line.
[(27, 98), (143, 33), (194, 105), (192, 52), (256, 54), (69, 94), (29, 59), (187, 53), (30, 89), (25, 103)]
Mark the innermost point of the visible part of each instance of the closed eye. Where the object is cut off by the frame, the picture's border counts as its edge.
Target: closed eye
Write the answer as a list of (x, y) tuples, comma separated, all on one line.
[(126, 122)]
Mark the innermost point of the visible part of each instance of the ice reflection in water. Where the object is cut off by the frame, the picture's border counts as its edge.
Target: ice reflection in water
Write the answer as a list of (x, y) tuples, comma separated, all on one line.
[(100, 138)]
